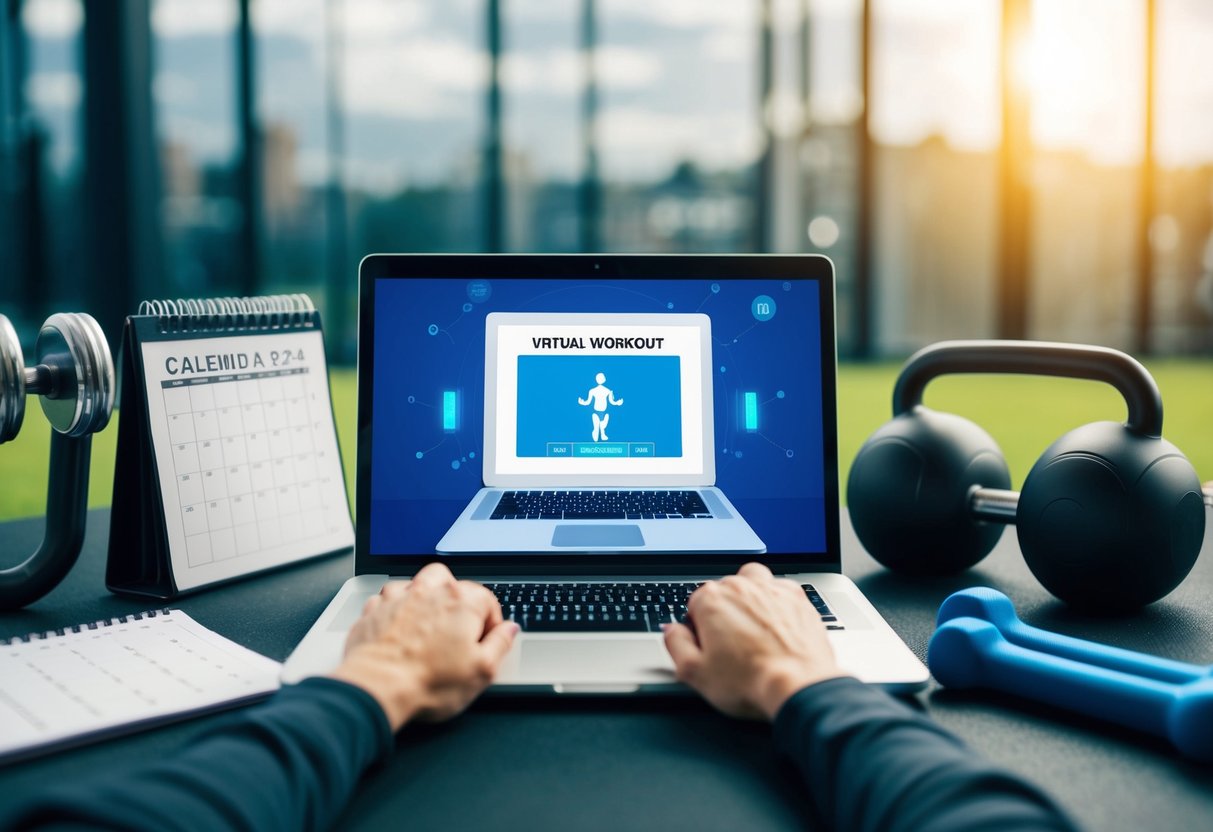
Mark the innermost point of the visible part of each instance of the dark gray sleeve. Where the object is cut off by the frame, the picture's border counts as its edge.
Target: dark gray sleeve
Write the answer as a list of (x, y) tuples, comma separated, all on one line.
[(290, 763), (872, 763)]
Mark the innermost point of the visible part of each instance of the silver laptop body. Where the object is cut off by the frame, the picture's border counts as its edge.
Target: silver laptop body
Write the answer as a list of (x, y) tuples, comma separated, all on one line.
[(402, 517)]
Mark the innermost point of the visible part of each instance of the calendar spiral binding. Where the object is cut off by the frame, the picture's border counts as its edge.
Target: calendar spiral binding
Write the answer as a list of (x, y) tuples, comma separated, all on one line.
[(231, 314), (80, 628)]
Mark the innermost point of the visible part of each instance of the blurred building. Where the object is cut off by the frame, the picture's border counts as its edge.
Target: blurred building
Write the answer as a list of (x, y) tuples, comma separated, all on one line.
[(280, 178)]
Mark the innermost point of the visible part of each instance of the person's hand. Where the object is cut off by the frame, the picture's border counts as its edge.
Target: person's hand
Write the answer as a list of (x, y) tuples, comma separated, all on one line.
[(426, 648), (754, 640)]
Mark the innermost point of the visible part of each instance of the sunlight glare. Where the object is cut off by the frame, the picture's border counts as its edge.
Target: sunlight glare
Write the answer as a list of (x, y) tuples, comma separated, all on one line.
[(1046, 63)]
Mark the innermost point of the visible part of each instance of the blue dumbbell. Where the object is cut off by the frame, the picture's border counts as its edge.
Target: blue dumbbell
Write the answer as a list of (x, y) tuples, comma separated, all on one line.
[(980, 642)]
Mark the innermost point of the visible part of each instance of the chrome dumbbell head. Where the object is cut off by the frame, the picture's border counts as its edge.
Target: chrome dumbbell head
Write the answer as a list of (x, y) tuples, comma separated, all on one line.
[(12, 382), (74, 374)]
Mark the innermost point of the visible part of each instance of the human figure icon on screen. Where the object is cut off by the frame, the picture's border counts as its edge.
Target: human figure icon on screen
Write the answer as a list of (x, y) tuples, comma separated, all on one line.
[(600, 396)]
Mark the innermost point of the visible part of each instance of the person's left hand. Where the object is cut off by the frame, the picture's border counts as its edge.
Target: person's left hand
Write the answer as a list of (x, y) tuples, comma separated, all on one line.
[(426, 648)]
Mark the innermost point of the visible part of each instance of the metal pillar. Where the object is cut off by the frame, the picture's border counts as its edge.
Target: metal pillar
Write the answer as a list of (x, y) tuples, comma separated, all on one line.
[(590, 193), (340, 272), (862, 295), (1015, 156), (494, 186), (13, 179), (766, 162), (249, 170), (121, 163), (1143, 320), (803, 195), (806, 69)]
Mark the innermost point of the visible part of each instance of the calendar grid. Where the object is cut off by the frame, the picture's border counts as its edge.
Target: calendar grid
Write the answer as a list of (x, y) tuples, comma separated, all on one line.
[(250, 462)]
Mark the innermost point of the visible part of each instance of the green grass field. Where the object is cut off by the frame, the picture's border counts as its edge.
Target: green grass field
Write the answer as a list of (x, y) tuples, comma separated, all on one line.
[(1023, 414)]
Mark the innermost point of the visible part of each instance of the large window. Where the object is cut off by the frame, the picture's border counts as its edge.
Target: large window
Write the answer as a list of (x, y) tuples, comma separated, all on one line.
[(43, 236), (935, 122), (974, 168), (413, 85), (1181, 232), (194, 92), (543, 78), (292, 131), (679, 125), (829, 149), (1084, 67)]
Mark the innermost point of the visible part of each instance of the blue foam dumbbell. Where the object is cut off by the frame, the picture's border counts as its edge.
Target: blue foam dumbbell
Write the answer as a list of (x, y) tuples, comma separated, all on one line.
[(980, 642)]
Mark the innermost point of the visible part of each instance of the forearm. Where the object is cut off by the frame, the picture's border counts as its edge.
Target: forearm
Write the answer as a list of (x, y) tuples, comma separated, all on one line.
[(291, 763), (870, 763)]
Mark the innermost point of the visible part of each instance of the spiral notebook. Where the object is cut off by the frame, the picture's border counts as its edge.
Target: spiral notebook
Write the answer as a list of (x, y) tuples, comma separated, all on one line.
[(227, 460), (84, 683)]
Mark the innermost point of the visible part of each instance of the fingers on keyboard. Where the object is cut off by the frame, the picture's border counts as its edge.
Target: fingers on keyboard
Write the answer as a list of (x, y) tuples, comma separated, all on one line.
[(610, 607)]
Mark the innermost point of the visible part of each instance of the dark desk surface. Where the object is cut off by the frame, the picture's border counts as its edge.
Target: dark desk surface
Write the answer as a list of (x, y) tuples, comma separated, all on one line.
[(673, 764)]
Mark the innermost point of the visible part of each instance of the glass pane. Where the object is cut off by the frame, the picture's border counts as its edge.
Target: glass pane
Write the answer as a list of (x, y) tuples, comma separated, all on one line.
[(543, 80), (47, 229), (678, 125), (829, 148), (1084, 66), (936, 124), (413, 91), (1182, 231), (290, 110), (194, 89)]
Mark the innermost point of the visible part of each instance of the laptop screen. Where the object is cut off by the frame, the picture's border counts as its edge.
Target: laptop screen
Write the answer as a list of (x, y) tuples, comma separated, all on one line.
[(624, 382)]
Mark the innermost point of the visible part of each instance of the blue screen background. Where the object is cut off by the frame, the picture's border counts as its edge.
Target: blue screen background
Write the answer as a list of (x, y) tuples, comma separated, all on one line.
[(549, 387), (429, 340)]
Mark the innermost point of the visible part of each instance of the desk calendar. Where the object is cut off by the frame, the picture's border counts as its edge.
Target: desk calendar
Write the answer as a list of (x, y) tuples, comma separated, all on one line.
[(228, 461)]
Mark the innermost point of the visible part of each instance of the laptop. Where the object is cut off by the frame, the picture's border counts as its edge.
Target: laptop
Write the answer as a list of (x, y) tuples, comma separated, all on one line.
[(436, 359), (596, 439)]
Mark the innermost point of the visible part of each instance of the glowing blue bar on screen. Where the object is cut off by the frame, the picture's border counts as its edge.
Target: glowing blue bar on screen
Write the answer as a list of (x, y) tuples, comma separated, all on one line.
[(448, 410), (751, 411)]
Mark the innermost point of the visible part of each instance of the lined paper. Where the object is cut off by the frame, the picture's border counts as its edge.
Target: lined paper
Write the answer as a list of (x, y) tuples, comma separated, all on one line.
[(119, 675)]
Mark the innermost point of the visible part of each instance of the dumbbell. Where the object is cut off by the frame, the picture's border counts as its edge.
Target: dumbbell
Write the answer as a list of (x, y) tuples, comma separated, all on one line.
[(73, 376), (1111, 516), (980, 642)]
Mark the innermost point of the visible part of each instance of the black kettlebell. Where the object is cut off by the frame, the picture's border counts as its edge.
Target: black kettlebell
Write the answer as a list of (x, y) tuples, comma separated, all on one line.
[(1111, 516)]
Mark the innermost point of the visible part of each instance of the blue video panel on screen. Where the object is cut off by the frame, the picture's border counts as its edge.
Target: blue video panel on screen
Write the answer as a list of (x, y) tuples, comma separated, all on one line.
[(564, 411)]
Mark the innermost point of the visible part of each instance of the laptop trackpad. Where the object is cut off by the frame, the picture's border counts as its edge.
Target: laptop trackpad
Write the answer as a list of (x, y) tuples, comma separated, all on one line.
[(598, 660), (597, 535)]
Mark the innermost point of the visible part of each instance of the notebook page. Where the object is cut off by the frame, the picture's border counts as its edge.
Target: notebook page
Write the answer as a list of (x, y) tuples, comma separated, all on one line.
[(100, 679)]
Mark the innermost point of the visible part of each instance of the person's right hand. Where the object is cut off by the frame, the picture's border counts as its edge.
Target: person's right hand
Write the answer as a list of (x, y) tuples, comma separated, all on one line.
[(754, 640), (426, 648)]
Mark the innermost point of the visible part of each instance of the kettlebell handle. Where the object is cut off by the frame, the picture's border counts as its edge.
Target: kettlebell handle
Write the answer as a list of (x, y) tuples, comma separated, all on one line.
[(1036, 358)]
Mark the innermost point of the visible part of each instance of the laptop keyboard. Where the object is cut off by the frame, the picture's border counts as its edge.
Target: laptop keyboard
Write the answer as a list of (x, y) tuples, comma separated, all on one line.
[(600, 505), (614, 607)]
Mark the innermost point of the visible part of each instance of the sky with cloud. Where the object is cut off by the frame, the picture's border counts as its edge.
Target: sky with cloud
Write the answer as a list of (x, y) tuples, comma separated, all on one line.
[(677, 79)]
